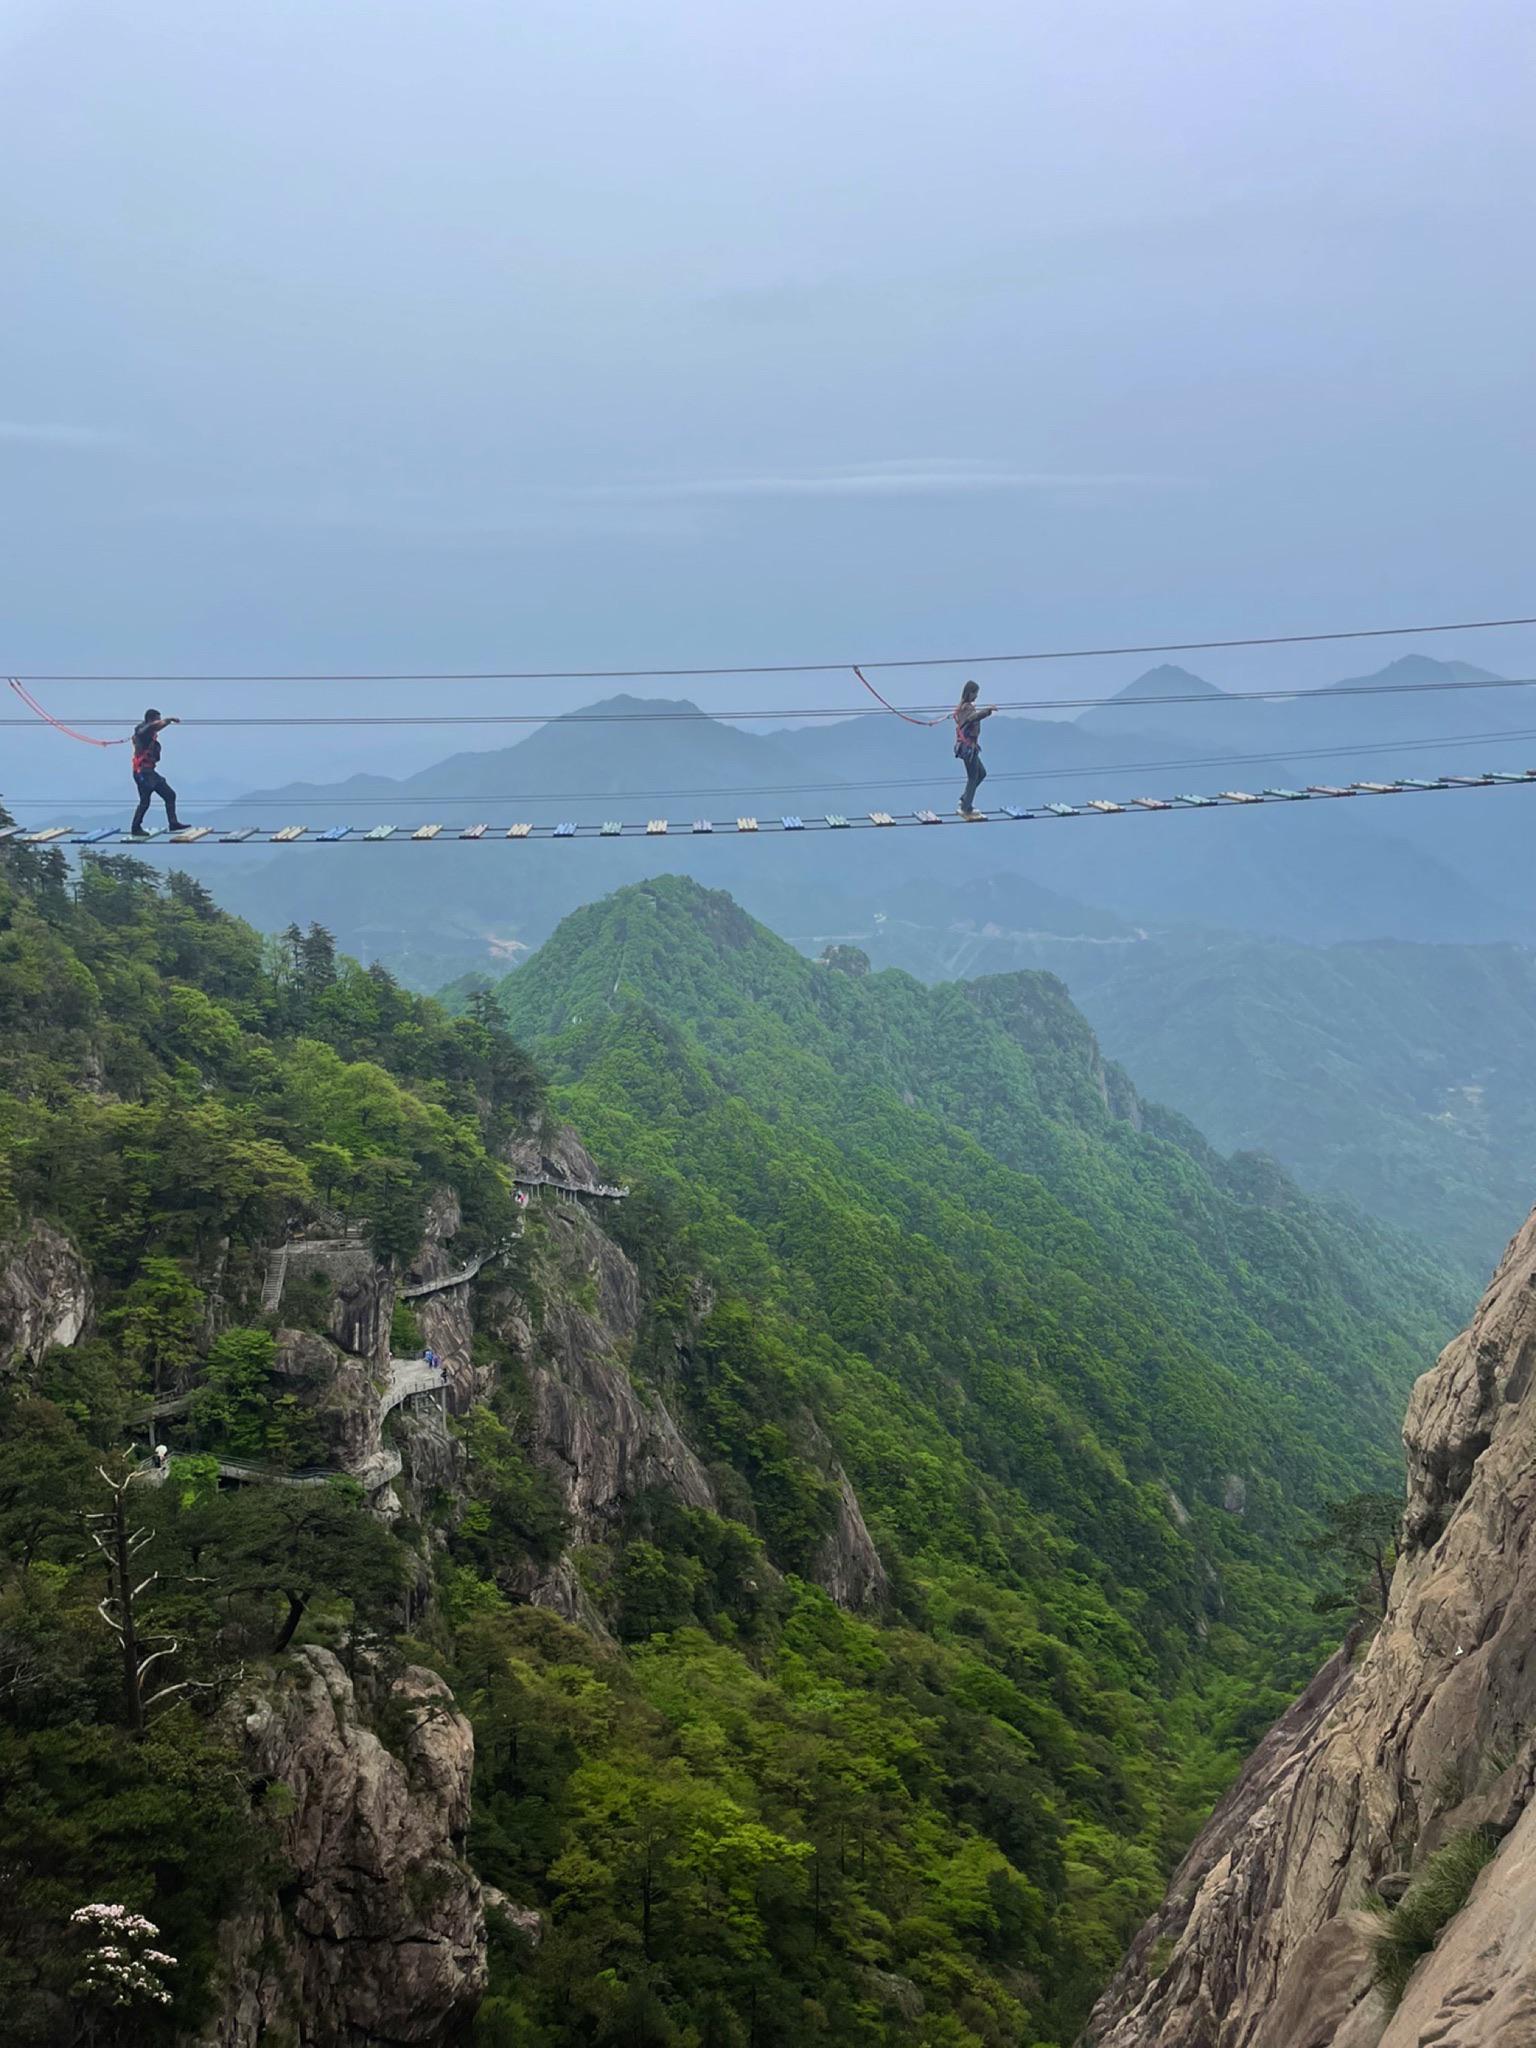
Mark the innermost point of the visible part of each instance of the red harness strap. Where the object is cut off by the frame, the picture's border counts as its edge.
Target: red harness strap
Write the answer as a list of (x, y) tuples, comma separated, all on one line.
[(864, 679), (68, 730)]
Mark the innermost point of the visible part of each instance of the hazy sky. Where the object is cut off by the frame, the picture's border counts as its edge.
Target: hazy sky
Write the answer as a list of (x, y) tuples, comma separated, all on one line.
[(508, 333)]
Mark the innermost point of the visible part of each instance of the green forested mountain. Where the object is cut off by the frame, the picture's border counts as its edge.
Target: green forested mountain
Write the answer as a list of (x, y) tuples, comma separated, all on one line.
[(1087, 1380), (1398, 1076), (1401, 1077), (975, 1126), (1026, 1307)]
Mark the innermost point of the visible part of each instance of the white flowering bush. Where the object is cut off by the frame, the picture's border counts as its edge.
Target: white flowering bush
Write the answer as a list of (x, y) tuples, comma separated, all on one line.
[(120, 1967)]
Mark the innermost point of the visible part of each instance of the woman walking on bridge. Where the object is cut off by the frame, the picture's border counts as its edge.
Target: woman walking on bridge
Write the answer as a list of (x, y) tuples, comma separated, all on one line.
[(968, 716)]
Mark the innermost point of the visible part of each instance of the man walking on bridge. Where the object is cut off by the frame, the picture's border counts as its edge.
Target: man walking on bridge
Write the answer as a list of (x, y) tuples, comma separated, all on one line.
[(146, 772)]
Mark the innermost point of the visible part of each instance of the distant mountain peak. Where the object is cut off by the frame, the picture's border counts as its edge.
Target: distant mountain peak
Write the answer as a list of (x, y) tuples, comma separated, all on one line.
[(1417, 668), (1167, 680), (624, 705)]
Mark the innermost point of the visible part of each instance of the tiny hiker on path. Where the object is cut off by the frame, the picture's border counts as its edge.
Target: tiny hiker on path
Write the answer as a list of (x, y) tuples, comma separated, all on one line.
[(968, 715), (146, 772)]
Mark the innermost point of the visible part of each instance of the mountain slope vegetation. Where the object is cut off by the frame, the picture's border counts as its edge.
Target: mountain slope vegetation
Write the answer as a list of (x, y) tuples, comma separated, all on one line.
[(1085, 1378), (175, 1094), (1397, 1076), (1055, 1340), (948, 1115), (1400, 1077)]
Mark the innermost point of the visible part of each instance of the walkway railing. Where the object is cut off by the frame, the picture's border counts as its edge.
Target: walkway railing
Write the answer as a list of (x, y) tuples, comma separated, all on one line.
[(171, 1404), (461, 1278), (268, 1475), (409, 1377), (601, 1190)]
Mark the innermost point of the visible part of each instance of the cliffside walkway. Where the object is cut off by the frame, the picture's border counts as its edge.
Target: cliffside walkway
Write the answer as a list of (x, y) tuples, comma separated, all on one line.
[(279, 1257), (172, 1404), (600, 1191), (461, 1278), (409, 1379), (377, 1472)]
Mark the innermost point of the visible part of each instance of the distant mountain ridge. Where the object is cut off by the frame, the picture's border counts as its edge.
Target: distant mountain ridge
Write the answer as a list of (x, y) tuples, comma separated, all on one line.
[(1339, 713), (1334, 872)]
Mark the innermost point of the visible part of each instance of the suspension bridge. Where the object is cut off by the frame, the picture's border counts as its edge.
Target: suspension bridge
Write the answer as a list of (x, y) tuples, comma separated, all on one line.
[(525, 831)]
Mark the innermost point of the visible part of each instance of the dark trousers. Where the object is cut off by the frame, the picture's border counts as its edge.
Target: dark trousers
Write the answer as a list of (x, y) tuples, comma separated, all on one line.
[(152, 783), (975, 776)]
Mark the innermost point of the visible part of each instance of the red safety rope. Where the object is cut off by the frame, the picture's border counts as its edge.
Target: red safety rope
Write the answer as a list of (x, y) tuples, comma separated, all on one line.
[(48, 719), (864, 679)]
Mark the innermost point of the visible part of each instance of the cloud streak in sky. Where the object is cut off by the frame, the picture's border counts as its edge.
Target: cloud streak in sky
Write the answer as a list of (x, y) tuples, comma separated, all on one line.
[(53, 434), (935, 476), (649, 507)]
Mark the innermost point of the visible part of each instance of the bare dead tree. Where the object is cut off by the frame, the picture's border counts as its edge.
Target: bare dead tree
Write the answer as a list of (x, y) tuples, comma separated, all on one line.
[(120, 1545)]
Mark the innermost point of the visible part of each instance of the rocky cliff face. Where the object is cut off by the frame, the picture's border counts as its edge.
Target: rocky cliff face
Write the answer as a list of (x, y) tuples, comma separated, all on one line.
[(607, 1441), (847, 1565), (378, 1934), (558, 1153), (1262, 1941), (604, 1442), (338, 1388), (603, 1439), (45, 1295)]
